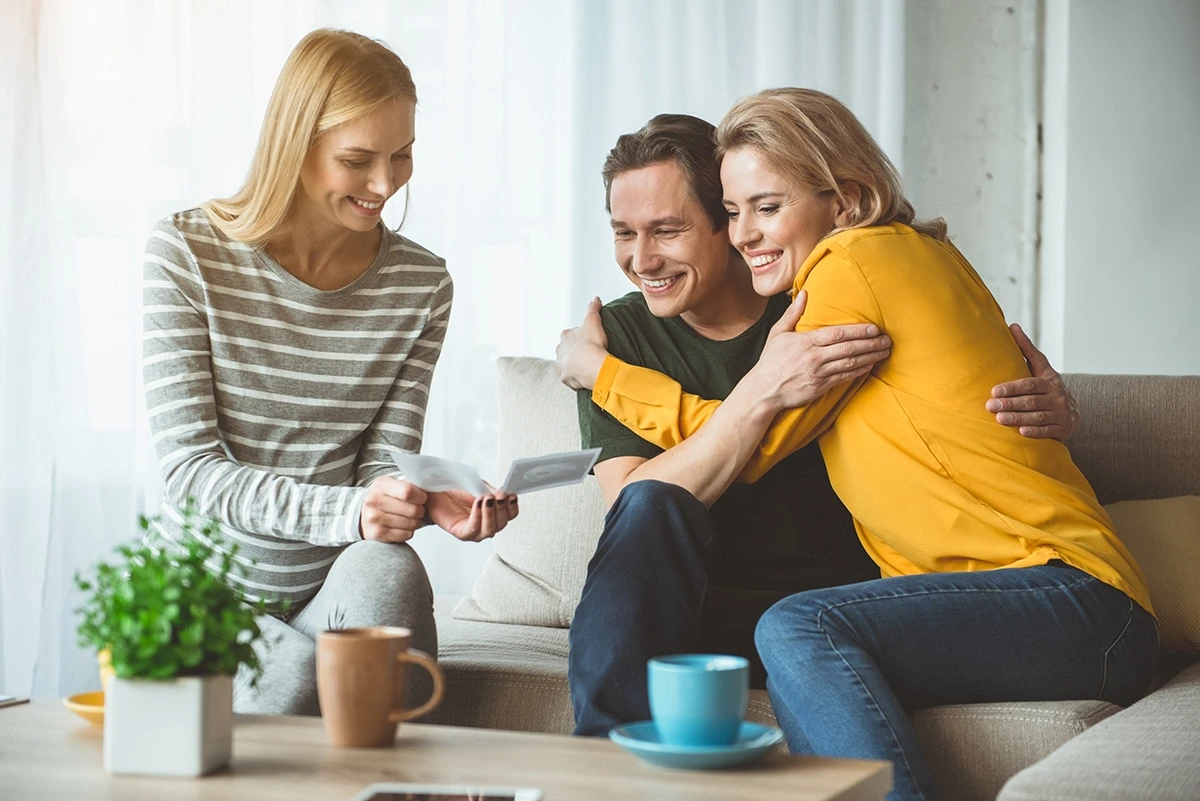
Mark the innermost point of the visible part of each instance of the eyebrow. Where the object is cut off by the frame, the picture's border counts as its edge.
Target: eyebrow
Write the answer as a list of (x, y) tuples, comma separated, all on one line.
[(368, 152), (753, 198), (676, 221)]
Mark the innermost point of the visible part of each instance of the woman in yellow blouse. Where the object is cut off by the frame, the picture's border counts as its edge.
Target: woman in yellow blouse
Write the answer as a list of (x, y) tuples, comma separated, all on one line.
[(1003, 578)]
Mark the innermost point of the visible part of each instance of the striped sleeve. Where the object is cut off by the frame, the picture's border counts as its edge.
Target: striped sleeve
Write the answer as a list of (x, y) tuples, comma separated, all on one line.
[(194, 459), (401, 421)]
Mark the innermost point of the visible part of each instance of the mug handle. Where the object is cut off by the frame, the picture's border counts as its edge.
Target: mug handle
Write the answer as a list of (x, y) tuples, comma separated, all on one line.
[(424, 660)]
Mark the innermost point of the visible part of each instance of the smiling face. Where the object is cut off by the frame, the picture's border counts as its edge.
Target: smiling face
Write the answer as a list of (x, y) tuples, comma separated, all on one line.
[(665, 243), (773, 223), (353, 169)]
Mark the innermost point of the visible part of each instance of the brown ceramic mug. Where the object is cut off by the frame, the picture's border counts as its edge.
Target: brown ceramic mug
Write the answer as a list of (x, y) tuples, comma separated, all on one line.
[(361, 680)]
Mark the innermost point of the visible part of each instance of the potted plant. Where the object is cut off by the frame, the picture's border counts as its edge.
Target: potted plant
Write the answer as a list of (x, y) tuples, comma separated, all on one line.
[(175, 632)]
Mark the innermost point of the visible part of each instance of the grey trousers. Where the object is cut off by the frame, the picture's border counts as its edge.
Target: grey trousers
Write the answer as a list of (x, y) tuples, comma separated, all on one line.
[(370, 584)]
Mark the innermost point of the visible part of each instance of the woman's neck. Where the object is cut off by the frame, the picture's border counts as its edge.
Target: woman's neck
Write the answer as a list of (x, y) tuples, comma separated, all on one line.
[(324, 256)]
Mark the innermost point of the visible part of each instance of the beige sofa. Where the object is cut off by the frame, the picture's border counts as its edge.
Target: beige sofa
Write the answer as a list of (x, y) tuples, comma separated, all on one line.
[(504, 648)]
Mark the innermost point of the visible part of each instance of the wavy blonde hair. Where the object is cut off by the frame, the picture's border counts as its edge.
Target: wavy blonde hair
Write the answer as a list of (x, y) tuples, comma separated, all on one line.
[(814, 140), (330, 77)]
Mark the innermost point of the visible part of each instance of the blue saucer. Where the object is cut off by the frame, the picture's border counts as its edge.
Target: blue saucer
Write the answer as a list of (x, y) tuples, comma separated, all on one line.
[(641, 740)]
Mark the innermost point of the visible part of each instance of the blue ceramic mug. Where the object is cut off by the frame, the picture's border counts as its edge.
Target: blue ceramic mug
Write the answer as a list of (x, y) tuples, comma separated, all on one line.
[(698, 699)]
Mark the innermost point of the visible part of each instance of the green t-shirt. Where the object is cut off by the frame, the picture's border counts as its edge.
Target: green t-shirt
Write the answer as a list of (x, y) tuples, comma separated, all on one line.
[(786, 532)]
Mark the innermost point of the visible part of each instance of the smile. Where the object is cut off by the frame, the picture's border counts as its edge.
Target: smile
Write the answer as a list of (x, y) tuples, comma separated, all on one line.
[(659, 284), (367, 206), (764, 259)]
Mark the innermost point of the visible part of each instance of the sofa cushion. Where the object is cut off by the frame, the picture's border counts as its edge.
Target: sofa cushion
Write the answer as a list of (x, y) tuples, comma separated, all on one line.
[(1164, 537), (503, 676), (535, 575), (972, 749), (1148, 751)]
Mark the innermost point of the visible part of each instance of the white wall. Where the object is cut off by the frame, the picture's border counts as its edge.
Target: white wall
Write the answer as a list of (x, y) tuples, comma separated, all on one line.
[(1121, 266), (970, 135)]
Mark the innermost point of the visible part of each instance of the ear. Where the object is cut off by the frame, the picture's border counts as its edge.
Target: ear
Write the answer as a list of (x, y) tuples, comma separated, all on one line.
[(847, 204)]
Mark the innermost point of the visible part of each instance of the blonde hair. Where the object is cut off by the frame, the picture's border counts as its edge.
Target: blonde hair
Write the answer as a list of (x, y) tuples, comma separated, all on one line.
[(331, 77), (814, 140)]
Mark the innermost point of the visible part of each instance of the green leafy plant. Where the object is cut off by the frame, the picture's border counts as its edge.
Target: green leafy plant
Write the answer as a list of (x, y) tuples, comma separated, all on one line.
[(168, 614)]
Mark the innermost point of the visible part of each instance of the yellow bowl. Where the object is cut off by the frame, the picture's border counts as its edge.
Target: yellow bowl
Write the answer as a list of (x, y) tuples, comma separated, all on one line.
[(89, 706)]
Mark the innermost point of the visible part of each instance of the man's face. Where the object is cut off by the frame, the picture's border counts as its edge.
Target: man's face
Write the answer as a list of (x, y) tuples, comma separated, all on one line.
[(664, 241)]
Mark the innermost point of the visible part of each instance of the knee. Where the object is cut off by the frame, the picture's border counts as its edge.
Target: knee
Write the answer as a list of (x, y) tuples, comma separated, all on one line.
[(655, 514), (382, 584), (381, 569), (782, 630), (651, 497)]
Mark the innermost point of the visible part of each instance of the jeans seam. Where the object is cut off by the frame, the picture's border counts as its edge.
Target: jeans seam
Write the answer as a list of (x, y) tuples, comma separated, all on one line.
[(1108, 651), (866, 690), (915, 594)]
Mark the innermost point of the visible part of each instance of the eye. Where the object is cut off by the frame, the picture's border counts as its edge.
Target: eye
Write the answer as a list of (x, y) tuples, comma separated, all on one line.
[(402, 157), (732, 213), (668, 232), (355, 165), (623, 233), (768, 209)]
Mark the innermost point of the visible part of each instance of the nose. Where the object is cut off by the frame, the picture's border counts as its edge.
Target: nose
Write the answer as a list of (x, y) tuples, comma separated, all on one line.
[(381, 181), (645, 256), (742, 232)]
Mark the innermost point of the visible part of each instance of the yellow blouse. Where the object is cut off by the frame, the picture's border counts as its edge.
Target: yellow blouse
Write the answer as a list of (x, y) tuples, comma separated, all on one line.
[(933, 482)]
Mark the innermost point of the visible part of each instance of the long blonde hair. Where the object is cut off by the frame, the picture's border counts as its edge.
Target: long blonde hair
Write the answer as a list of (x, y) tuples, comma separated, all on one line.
[(814, 140), (331, 77)]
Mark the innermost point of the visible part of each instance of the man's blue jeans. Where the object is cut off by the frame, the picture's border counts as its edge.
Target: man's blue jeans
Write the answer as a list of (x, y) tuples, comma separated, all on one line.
[(643, 598), (845, 665)]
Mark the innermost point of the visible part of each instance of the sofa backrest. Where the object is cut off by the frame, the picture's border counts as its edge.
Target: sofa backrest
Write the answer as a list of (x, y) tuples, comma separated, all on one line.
[(1140, 435)]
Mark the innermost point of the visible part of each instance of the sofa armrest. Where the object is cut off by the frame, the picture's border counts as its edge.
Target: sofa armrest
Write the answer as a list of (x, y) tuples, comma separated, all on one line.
[(1148, 751)]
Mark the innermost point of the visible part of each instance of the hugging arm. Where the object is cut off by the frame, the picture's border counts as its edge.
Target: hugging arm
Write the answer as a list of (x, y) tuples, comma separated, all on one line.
[(654, 405)]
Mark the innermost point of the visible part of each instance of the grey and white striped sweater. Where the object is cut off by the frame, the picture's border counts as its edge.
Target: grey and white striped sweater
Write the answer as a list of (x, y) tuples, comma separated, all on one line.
[(275, 404)]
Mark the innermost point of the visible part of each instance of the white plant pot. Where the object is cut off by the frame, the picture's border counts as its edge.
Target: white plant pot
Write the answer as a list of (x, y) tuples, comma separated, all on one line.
[(176, 727)]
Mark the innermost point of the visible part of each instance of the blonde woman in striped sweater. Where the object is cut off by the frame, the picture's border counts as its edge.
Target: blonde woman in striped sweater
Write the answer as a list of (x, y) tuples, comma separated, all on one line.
[(289, 343)]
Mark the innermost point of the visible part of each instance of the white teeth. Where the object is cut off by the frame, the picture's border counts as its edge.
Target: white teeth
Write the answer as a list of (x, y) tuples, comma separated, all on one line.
[(657, 283), (759, 261), (364, 204)]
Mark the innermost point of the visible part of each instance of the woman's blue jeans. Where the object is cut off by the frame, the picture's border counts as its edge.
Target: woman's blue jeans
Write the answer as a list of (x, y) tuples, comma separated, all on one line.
[(846, 665)]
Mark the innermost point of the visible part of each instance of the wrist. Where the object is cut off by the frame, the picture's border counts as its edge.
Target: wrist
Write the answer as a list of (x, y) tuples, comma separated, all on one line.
[(753, 402)]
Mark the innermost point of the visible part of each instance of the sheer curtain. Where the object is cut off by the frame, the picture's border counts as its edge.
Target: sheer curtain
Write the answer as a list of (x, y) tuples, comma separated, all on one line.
[(116, 114)]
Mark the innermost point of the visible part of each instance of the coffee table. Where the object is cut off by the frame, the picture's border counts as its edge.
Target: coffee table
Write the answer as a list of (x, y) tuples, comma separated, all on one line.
[(46, 752)]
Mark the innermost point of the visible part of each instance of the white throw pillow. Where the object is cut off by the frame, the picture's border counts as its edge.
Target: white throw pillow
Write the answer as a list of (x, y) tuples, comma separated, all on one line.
[(535, 575)]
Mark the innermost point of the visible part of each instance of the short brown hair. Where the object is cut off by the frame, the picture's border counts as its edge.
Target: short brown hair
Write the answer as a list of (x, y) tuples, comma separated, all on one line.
[(688, 141)]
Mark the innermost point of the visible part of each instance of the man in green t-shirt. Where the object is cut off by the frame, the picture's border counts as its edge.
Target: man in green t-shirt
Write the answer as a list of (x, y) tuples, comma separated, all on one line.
[(688, 559)]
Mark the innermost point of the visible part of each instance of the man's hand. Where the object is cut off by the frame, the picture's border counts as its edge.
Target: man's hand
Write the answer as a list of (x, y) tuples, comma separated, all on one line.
[(469, 518), (797, 368), (392, 510), (1040, 406), (581, 351)]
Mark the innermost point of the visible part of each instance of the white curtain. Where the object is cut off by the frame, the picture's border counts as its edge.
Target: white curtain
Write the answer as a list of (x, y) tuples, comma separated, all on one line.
[(116, 114)]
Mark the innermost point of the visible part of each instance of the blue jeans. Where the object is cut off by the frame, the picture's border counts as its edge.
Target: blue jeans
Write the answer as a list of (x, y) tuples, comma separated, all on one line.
[(643, 598), (846, 664)]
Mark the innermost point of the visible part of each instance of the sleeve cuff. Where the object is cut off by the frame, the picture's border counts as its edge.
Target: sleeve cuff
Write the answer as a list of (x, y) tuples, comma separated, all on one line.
[(604, 380)]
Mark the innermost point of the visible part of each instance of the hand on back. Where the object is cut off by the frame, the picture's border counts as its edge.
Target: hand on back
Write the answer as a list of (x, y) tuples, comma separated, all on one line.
[(581, 351), (1039, 406)]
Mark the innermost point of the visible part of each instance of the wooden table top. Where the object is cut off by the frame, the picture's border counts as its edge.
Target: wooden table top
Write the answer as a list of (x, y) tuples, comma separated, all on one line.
[(46, 752)]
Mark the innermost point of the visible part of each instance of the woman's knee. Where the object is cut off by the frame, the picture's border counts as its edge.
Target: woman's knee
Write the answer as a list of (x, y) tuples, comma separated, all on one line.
[(381, 584), (782, 631)]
